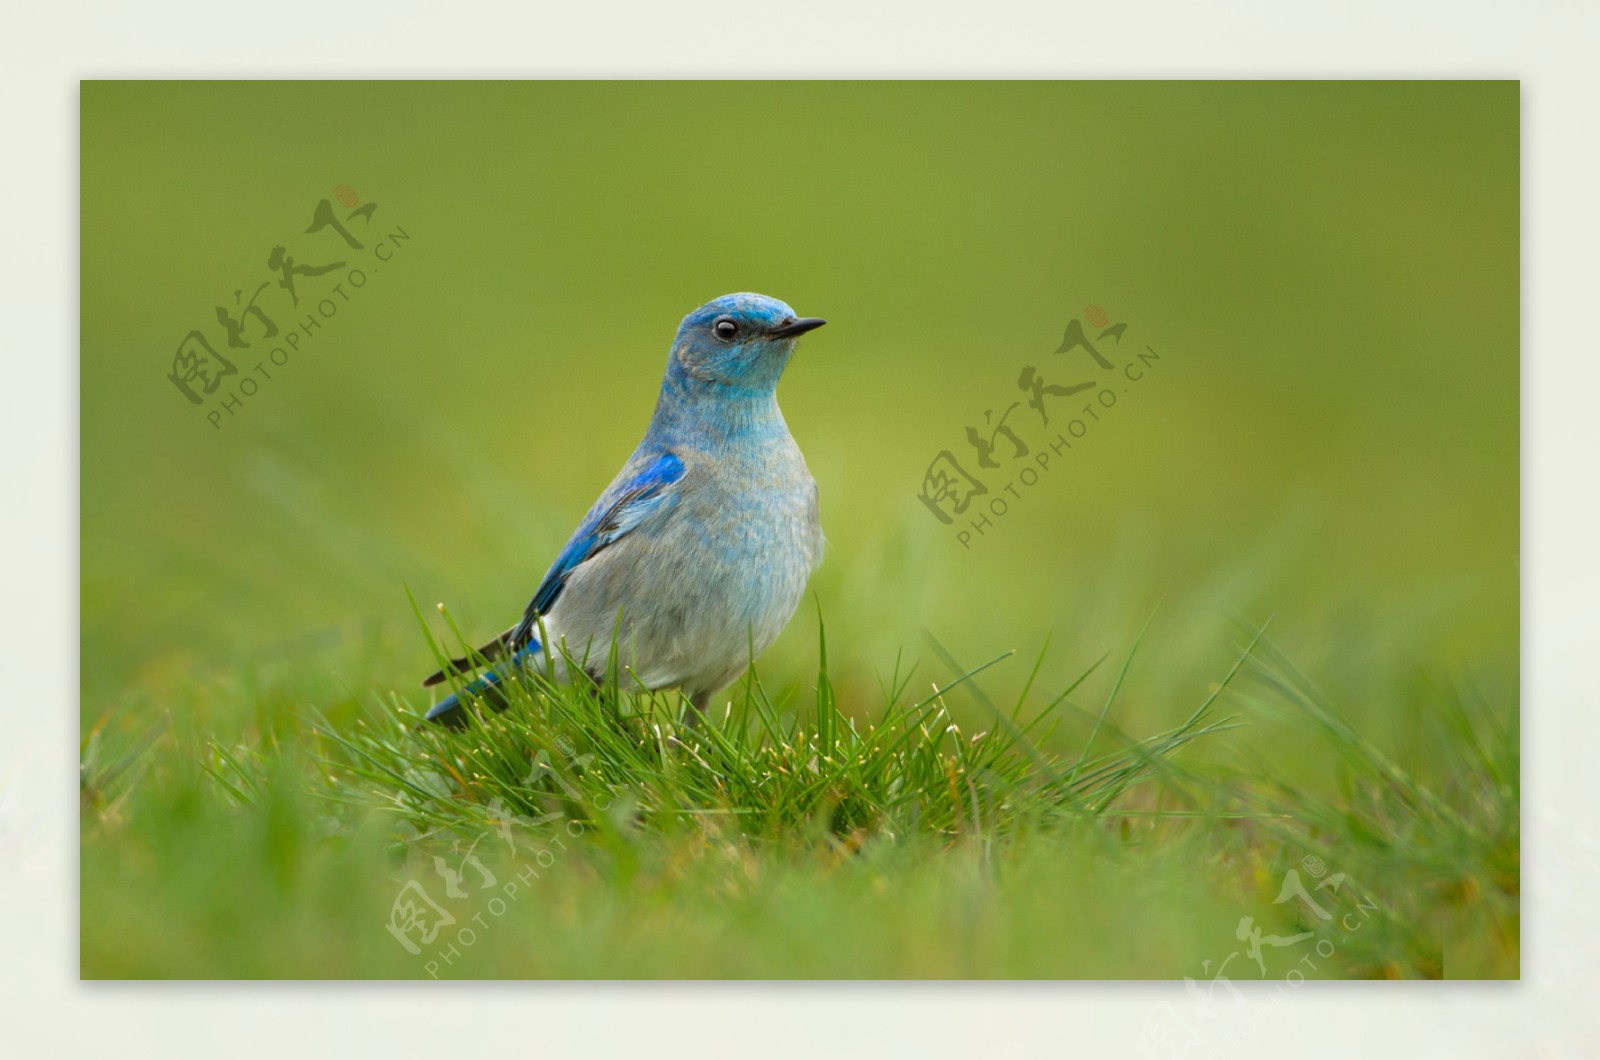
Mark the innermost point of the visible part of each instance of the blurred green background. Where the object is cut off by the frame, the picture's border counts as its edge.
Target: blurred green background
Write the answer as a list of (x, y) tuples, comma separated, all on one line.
[(1328, 270)]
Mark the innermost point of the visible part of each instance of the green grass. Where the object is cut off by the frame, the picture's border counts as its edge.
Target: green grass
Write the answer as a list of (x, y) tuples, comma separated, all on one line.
[(765, 771), (811, 839)]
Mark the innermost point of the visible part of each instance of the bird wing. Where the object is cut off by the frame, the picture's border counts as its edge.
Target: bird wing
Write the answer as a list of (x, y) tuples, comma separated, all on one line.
[(626, 505), (630, 501)]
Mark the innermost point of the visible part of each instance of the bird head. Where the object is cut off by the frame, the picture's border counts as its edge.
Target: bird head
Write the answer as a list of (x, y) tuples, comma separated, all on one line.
[(741, 341)]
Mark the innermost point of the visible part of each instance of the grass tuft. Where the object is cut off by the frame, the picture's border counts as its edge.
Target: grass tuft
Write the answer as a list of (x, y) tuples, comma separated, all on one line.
[(766, 770)]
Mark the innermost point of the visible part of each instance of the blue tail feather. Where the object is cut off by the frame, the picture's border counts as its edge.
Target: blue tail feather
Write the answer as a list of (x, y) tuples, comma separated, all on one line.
[(485, 687)]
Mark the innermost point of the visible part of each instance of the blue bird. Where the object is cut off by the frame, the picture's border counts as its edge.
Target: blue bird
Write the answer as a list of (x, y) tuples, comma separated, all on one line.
[(697, 554)]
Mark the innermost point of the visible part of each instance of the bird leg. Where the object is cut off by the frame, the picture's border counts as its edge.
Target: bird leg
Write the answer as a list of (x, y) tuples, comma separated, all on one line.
[(695, 716)]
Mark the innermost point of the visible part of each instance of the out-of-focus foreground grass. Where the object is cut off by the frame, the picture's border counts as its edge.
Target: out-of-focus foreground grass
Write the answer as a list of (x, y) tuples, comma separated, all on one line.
[(1328, 439)]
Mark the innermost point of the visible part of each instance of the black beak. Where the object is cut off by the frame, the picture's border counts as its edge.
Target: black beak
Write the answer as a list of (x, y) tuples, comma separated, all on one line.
[(792, 328)]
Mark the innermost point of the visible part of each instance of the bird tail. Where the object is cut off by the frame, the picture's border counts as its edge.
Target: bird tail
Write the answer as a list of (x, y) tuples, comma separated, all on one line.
[(467, 663), (488, 688)]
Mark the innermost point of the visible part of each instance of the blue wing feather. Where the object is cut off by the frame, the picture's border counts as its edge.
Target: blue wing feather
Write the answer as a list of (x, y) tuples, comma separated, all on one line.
[(621, 509)]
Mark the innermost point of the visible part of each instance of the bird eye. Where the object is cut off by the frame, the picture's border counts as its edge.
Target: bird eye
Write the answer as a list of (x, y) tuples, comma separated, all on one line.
[(725, 329)]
